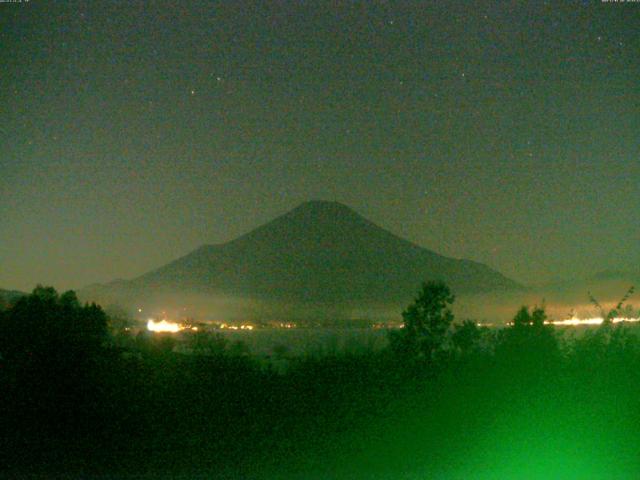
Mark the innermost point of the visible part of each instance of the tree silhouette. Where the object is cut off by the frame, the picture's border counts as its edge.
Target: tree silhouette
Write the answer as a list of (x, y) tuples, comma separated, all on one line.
[(52, 350), (47, 326), (426, 322), (524, 319), (528, 342), (608, 341), (607, 317), (466, 337)]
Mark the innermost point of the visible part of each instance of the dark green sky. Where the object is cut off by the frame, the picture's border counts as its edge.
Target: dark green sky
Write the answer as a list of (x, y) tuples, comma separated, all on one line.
[(132, 132)]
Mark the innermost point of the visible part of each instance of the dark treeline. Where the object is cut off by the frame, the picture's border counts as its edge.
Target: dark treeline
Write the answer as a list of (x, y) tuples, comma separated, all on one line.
[(445, 400)]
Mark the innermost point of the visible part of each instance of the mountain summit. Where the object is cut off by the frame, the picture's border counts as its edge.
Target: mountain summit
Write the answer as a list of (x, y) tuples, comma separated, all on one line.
[(320, 253)]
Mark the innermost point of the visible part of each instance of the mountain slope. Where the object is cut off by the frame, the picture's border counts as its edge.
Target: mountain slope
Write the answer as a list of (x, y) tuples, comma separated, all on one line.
[(7, 297), (320, 252)]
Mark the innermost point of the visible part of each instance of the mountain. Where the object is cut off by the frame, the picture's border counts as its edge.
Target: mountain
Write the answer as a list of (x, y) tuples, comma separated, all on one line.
[(320, 253), (609, 275)]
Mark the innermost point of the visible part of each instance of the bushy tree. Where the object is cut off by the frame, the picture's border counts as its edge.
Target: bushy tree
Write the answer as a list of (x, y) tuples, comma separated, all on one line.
[(618, 310), (426, 322), (466, 337), (609, 342), (51, 347), (524, 319), (528, 341), (45, 325)]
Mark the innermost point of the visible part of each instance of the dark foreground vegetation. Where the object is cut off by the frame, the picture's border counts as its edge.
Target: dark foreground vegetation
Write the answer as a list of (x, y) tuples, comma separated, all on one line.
[(445, 400)]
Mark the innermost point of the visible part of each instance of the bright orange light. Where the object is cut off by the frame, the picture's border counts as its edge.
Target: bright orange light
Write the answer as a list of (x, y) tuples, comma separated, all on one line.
[(163, 326), (574, 322)]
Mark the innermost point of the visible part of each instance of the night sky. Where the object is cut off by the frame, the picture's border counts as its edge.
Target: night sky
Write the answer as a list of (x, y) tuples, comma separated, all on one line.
[(133, 132)]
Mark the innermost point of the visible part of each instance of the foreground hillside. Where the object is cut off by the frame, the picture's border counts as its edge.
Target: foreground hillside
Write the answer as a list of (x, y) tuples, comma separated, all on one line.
[(520, 403)]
